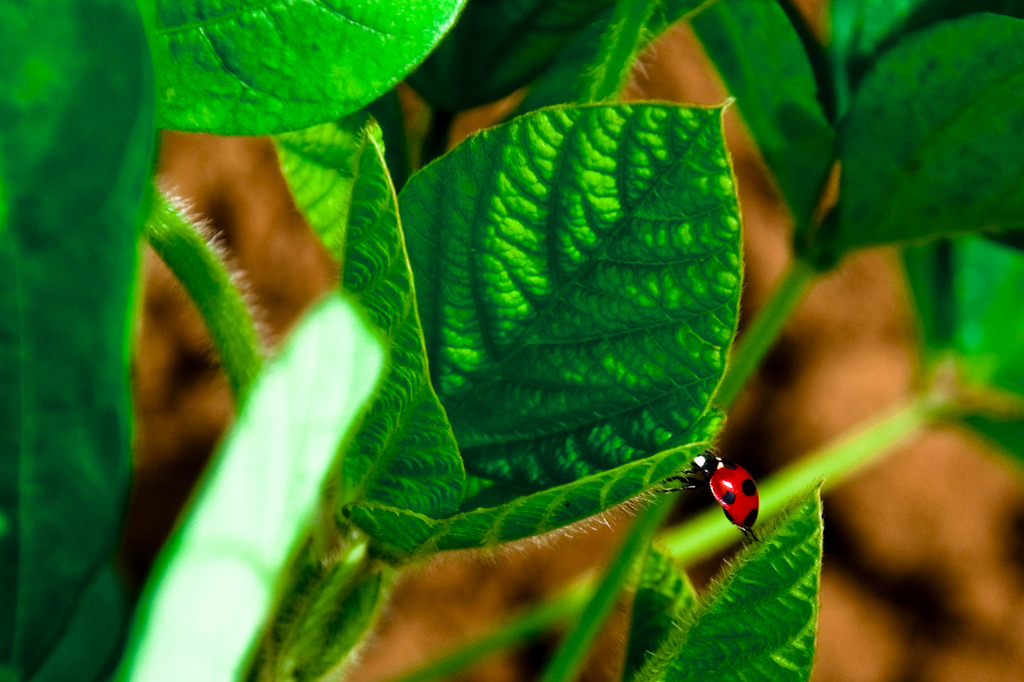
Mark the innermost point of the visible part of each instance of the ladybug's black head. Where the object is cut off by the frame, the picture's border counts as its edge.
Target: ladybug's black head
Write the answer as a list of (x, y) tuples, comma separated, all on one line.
[(706, 464)]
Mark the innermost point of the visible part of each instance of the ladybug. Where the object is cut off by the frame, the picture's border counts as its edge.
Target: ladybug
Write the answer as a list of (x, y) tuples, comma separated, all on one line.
[(731, 485)]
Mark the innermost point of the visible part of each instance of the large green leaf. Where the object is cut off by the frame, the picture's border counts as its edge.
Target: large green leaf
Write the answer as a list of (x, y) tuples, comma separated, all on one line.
[(759, 620), (664, 596), (498, 46), (237, 67), (578, 272), (591, 53), (967, 294), (404, 453), (75, 150), (765, 66), (399, 534), (924, 149), (217, 576)]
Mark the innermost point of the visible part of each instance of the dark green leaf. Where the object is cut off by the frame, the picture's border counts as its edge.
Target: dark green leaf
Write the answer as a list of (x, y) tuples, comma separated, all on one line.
[(664, 596), (235, 67), (399, 534), (924, 149), (498, 46), (578, 272), (404, 453), (570, 76), (765, 66), (75, 150), (217, 576), (758, 622)]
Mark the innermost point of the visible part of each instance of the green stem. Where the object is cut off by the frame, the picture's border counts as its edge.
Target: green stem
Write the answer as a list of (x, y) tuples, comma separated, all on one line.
[(571, 655), (210, 286), (521, 629), (621, 41), (708, 532), (762, 332)]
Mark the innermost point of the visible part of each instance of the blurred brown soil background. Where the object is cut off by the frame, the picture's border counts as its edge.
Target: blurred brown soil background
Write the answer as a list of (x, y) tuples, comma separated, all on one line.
[(924, 568)]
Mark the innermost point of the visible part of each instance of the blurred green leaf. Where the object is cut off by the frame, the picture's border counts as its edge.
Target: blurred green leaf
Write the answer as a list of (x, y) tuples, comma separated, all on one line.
[(75, 150), (498, 46), (578, 272), (232, 67), (924, 149), (404, 453), (400, 534), (765, 66), (216, 577), (759, 621), (89, 648), (664, 596), (570, 75)]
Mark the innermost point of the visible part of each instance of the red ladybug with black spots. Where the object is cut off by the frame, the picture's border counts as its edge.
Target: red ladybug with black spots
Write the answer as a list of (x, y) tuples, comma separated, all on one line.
[(730, 484)]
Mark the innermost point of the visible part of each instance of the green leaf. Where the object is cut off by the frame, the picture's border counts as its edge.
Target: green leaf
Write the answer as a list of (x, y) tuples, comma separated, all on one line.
[(664, 596), (763, 62), (622, 40), (400, 535), (404, 453), (578, 272), (89, 648), (570, 75), (216, 577), (234, 67), (76, 122), (924, 149), (967, 295), (758, 622), (498, 46)]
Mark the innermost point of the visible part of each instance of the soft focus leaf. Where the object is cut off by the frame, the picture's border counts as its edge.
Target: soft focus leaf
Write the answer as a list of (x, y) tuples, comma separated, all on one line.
[(663, 597), (235, 67), (498, 46), (75, 151), (404, 453), (763, 62), (759, 620), (578, 272), (924, 149), (217, 575)]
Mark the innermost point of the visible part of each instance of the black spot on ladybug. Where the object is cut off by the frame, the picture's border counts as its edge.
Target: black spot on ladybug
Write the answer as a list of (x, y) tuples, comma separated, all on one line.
[(749, 521), (727, 464), (729, 497), (749, 489), (731, 518)]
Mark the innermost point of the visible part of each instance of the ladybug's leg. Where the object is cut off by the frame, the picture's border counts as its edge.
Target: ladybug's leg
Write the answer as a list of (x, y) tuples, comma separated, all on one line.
[(749, 532), (685, 483)]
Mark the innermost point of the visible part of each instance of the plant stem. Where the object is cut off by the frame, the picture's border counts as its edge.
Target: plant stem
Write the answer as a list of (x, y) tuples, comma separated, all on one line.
[(572, 653), (709, 532), (211, 287), (762, 332), (528, 625)]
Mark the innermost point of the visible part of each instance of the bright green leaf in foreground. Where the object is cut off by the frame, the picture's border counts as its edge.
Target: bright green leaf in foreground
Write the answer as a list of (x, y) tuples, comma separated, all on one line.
[(404, 453), (498, 46), (578, 272), (207, 600), (236, 67), (759, 621), (76, 125), (765, 67), (924, 149)]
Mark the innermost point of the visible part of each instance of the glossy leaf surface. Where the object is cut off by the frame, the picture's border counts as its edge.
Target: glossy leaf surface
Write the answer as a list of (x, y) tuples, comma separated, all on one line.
[(928, 158), (75, 146), (218, 574), (765, 67), (399, 534), (237, 67), (404, 453), (664, 596), (758, 622), (498, 46), (578, 272)]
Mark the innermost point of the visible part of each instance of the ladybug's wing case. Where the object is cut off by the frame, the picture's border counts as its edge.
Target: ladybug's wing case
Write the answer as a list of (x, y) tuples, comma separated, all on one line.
[(735, 490)]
